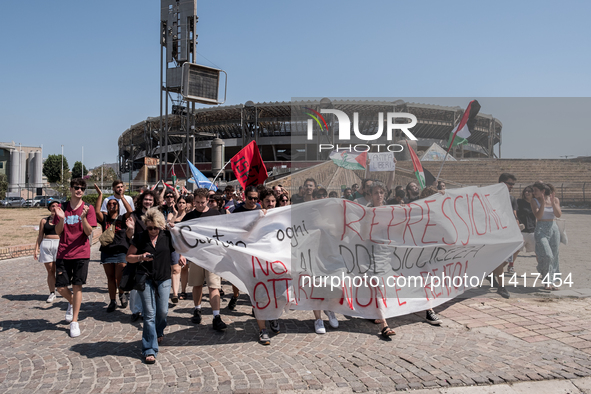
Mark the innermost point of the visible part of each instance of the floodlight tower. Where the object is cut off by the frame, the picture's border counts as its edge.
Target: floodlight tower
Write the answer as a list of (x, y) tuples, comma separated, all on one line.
[(179, 40), (182, 82)]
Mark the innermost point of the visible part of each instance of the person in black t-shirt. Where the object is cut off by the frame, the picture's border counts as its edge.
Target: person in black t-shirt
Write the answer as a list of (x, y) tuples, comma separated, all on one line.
[(251, 198), (153, 248), (509, 181), (309, 186), (197, 274), (526, 217), (135, 224), (113, 254)]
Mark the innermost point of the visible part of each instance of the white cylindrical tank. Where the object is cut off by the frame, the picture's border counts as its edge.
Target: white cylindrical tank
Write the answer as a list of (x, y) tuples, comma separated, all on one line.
[(38, 178), (23, 169), (30, 167), (14, 169)]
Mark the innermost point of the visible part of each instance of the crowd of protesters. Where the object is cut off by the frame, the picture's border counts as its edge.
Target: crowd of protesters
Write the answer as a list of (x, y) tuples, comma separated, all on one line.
[(138, 232)]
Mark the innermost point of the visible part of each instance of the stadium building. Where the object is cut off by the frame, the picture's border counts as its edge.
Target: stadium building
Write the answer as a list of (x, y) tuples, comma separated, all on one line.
[(280, 131)]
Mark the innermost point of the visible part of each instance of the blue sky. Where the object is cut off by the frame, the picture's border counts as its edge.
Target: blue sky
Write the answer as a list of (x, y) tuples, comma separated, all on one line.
[(79, 73)]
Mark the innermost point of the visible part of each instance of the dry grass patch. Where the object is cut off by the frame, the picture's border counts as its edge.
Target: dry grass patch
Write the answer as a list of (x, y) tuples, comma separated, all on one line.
[(20, 226)]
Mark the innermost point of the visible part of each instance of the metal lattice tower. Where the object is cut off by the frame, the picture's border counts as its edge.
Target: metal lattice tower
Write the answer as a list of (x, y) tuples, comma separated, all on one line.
[(178, 19)]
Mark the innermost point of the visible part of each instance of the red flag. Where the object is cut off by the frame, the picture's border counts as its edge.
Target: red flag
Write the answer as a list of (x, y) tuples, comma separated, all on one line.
[(248, 166)]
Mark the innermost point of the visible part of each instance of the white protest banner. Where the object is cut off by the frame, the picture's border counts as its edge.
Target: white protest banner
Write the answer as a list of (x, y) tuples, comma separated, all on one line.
[(337, 255), (381, 161)]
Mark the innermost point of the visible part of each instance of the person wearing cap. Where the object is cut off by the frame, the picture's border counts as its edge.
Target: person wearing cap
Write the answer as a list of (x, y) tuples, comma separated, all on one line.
[(46, 247)]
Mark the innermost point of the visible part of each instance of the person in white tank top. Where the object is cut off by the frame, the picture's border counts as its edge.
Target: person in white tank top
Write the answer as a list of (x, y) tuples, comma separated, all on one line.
[(546, 208)]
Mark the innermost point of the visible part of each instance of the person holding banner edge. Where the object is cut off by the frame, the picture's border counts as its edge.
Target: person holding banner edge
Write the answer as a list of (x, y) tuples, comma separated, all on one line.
[(509, 180), (197, 275)]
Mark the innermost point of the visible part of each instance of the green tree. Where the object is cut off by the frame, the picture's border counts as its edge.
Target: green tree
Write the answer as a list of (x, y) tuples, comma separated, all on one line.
[(52, 168), (107, 175), (77, 170), (3, 186)]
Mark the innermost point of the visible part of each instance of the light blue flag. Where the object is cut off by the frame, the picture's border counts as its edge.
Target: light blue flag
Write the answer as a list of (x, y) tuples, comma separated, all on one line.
[(200, 179)]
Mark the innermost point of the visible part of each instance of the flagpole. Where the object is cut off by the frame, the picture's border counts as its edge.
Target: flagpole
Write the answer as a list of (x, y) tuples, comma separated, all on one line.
[(216, 177)]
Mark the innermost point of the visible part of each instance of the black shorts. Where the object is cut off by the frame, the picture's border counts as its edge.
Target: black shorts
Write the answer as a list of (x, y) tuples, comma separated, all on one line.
[(71, 272)]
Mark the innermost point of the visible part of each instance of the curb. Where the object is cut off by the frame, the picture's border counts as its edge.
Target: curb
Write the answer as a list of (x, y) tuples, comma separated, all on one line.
[(11, 252)]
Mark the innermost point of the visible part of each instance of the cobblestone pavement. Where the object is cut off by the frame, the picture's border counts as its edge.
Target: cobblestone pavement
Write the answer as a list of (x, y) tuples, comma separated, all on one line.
[(484, 340)]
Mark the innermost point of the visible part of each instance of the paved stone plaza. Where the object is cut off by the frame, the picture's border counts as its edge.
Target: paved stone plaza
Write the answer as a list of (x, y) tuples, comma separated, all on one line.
[(484, 340)]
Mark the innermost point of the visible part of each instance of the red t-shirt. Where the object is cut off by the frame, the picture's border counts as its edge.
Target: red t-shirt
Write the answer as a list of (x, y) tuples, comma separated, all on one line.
[(74, 243)]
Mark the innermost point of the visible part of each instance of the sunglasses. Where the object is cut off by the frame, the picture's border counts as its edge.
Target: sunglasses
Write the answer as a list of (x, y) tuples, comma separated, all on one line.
[(169, 196), (151, 228), (252, 198), (510, 183), (78, 188), (283, 201), (211, 201)]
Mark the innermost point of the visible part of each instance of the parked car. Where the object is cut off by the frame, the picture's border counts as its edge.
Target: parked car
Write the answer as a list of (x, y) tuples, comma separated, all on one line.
[(13, 202), (28, 203), (42, 201)]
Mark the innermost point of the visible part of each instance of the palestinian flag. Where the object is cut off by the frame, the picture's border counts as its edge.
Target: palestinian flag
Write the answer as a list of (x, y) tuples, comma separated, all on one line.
[(461, 132), (173, 175), (419, 173), (349, 160)]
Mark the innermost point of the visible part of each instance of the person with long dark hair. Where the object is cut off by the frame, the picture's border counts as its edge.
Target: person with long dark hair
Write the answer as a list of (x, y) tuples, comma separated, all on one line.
[(46, 247), (527, 218), (113, 254), (546, 207)]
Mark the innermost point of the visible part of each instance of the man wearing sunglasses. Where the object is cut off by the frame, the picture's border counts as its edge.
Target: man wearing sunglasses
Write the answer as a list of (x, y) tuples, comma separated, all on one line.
[(251, 196), (118, 194), (74, 225), (197, 274)]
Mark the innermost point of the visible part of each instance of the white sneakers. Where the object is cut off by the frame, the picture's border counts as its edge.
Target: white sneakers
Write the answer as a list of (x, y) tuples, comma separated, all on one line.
[(319, 327), (332, 319), (74, 329), (51, 298), (70, 314)]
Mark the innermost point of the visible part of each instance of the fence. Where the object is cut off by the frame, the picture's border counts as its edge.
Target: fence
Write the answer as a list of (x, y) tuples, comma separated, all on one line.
[(30, 192), (568, 193)]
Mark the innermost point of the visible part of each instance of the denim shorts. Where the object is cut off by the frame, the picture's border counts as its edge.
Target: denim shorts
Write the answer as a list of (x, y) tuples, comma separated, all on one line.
[(107, 258)]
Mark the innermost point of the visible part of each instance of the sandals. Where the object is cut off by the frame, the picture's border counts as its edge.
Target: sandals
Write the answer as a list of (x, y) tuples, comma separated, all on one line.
[(160, 339), (150, 359), (174, 299), (183, 296), (387, 332)]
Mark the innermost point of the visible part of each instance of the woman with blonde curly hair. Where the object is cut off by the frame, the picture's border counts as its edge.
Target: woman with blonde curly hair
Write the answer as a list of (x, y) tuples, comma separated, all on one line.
[(153, 249)]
